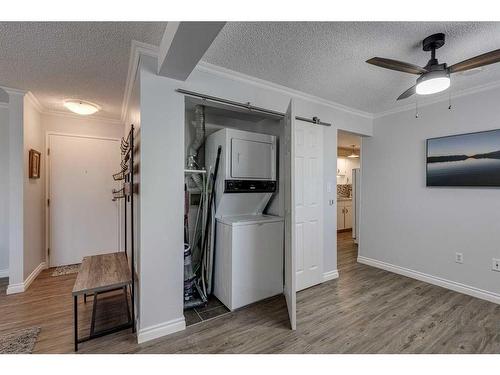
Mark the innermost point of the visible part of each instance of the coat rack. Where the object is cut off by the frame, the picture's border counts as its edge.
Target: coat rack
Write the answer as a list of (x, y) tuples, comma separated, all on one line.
[(126, 174)]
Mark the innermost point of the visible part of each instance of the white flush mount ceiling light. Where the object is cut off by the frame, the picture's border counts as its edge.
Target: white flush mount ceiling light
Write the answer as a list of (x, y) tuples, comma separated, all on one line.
[(81, 107), (433, 82)]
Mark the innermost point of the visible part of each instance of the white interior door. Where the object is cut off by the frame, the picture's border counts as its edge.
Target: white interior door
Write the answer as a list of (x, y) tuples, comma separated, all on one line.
[(83, 220), (308, 204), (290, 285)]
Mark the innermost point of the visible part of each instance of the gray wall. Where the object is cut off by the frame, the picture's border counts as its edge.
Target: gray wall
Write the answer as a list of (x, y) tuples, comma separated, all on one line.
[(406, 224), (4, 190), (34, 191)]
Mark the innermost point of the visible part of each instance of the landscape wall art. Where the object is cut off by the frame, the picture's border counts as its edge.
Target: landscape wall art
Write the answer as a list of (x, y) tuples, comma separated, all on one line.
[(464, 160)]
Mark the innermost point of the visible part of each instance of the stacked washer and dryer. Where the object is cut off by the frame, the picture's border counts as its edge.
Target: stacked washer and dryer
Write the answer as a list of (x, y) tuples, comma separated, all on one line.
[(248, 260)]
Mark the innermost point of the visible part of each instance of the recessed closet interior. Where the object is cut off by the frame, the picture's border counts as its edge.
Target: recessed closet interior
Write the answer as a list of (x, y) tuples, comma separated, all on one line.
[(234, 209)]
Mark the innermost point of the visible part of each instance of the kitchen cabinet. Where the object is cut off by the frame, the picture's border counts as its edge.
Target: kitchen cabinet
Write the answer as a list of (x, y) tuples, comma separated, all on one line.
[(344, 169), (341, 166), (344, 214)]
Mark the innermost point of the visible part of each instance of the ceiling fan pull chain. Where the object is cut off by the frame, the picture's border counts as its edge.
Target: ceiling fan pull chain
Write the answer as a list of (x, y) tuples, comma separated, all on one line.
[(416, 108), (449, 100)]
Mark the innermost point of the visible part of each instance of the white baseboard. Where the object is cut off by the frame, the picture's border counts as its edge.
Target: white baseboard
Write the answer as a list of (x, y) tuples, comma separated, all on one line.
[(330, 275), (162, 329), (448, 284), (22, 287), (4, 273)]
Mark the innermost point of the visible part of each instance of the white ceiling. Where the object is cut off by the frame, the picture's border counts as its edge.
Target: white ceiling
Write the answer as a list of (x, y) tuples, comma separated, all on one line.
[(84, 60), (328, 59)]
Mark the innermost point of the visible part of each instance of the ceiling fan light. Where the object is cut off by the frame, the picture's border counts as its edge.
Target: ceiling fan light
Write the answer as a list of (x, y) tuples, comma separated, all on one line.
[(432, 83), (81, 107)]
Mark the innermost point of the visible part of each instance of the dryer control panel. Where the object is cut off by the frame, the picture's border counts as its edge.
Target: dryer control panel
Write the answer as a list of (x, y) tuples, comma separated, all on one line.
[(249, 186)]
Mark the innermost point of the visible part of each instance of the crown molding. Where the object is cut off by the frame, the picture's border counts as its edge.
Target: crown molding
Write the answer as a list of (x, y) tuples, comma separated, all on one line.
[(224, 72), (34, 101), (136, 50), (439, 99), (13, 91), (110, 121)]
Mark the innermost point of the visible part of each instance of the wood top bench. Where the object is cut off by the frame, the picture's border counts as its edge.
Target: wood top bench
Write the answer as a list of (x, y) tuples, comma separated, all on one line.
[(99, 273)]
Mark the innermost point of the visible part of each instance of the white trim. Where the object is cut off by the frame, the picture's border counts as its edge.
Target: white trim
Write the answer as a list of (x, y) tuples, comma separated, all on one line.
[(34, 101), (448, 284), (47, 183), (424, 102), (4, 105), (330, 275), (139, 48), (22, 287), (160, 330), (108, 120), (136, 50), (4, 273), (10, 90), (220, 71)]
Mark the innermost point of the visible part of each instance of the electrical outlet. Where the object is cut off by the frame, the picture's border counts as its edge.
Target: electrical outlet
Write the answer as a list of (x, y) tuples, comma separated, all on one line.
[(459, 257), (495, 266)]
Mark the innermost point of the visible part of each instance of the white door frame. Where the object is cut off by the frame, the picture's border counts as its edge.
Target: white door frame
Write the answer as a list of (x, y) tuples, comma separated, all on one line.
[(47, 185)]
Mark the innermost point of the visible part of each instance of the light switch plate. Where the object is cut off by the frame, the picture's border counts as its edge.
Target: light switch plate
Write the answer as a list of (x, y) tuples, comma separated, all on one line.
[(459, 258), (495, 265)]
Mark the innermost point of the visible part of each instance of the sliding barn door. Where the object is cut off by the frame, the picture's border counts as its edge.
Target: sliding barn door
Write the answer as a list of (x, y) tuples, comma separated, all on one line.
[(290, 283), (308, 204)]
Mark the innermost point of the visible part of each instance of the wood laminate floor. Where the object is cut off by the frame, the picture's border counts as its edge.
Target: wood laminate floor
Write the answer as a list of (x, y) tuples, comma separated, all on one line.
[(366, 310)]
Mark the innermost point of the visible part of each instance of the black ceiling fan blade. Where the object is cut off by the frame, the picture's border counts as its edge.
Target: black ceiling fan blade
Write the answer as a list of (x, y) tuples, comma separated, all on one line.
[(400, 66), (411, 91), (475, 62)]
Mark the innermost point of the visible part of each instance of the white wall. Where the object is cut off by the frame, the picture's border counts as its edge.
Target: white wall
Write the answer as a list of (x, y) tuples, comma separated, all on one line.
[(16, 191), (406, 224), (34, 191), (162, 163), (4, 190)]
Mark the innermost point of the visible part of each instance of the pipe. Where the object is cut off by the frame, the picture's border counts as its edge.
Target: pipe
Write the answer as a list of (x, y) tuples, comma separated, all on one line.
[(199, 126)]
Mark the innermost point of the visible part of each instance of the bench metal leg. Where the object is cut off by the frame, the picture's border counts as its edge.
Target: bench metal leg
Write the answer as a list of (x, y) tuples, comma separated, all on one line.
[(75, 321), (92, 322)]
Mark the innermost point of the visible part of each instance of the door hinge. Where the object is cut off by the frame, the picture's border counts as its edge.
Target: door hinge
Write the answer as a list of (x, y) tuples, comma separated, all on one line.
[(48, 151), (48, 202), (48, 251)]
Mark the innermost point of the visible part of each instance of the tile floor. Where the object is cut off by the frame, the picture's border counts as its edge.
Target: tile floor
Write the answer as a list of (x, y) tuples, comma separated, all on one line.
[(213, 308)]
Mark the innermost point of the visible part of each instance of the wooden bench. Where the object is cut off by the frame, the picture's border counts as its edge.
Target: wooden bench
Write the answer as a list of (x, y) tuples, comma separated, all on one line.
[(99, 274)]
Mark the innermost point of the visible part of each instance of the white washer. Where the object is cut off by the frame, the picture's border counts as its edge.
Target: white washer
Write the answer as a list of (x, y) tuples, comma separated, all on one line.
[(248, 259)]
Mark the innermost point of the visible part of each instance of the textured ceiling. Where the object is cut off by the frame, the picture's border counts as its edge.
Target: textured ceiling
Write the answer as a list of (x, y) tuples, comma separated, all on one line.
[(84, 60), (328, 59)]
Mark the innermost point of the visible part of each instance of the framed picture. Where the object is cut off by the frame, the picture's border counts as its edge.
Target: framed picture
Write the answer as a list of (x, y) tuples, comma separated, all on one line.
[(464, 160), (34, 164)]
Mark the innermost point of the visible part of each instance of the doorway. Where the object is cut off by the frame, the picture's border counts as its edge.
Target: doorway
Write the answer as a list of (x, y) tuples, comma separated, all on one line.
[(82, 218), (348, 188)]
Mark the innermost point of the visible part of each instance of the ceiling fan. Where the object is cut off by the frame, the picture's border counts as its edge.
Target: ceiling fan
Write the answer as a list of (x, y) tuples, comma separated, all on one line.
[(434, 77)]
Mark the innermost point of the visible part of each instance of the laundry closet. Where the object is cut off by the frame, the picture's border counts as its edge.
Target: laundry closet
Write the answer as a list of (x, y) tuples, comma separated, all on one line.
[(234, 186)]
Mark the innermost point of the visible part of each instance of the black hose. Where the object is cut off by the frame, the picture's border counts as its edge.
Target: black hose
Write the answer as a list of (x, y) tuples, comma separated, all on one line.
[(209, 209)]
